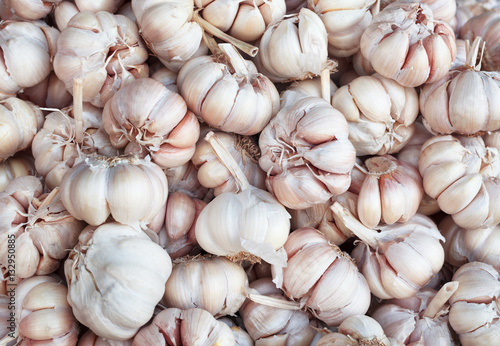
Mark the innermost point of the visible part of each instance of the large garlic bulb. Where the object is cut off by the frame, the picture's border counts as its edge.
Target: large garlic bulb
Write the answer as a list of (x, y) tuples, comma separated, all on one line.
[(147, 117), (19, 122), (127, 188), (398, 260), (294, 48), (223, 289), (404, 42), (227, 92), (249, 224), (307, 154), (322, 277), (474, 312), (380, 113), (104, 50), (462, 174), (116, 275), (185, 327)]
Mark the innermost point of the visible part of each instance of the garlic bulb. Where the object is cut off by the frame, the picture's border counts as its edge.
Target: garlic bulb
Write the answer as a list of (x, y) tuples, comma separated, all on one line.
[(27, 49), (228, 93), (441, 9), (174, 44), (380, 113), (474, 308), (294, 48), (245, 20), (45, 233), (26, 9), (418, 320), (307, 154), (223, 290), (250, 224), (55, 147), (50, 92), (147, 117), (322, 277), (127, 188), (344, 22), (184, 327), (90, 339), (265, 323), (464, 101), (19, 122), (391, 191), (466, 9), (42, 313), (112, 56), (469, 245), (398, 260), (462, 174), (213, 174), (15, 167), (102, 276), (404, 42)]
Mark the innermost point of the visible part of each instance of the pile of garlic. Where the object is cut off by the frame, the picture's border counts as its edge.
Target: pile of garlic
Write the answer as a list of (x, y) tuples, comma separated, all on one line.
[(249, 172)]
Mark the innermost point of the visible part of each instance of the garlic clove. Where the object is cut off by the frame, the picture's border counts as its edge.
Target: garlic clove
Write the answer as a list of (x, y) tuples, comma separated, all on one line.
[(459, 194), (369, 202), (248, 25), (438, 177)]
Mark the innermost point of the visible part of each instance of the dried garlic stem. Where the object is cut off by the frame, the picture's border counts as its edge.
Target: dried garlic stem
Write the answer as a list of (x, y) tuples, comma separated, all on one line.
[(274, 302), (236, 60), (78, 109), (325, 85), (211, 29), (228, 161), (472, 52), (440, 299), (367, 235)]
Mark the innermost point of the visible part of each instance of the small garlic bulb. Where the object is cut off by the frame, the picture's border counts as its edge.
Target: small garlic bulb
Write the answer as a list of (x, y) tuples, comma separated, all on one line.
[(227, 92), (294, 48), (26, 9), (398, 260), (223, 290), (474, 313), (15, 167), (391, 191), (321, 276), (469, 245), (250, 224), (112, 58), (213, 174), (127, 188), (184, 327), (146, 117), (380, 113), (344, 22), (307, 154), (462, 174), (293, 327), (89, 338), (174, 44), (404, 42), (19, 122), (102, 273)]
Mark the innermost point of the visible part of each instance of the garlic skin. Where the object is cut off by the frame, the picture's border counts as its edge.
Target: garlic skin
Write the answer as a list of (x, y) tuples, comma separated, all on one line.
[(101, 272), (214, 175), (15, 167), (245, 20), (462, 174), (112, 58), (264, 323), (228, 93), (41, 300), (404, 42), (27, 52), (474, 306), (322, 277), (89, 338), (184, 327), (307, 154), (127, 188), (26, 9), (380, 113), (294, 48), (55, 148), (146, 117), (19, 122), (173, 44), (344, 23), (223, 290)]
